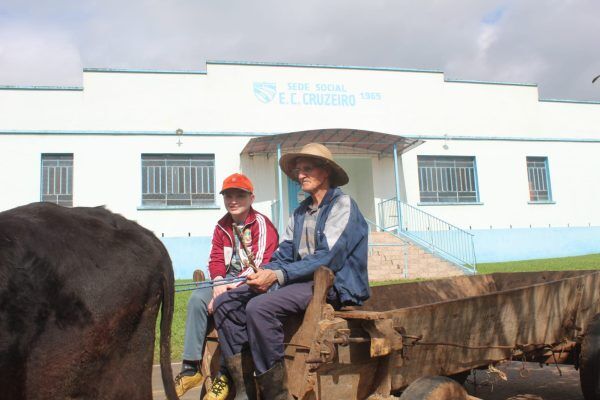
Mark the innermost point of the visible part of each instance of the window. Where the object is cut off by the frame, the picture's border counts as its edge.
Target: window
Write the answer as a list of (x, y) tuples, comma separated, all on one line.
[(445, 179), (57, 179), (178, 180), (539, 179)]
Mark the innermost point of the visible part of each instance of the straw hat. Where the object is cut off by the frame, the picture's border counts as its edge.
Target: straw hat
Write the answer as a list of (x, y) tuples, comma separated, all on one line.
[(287, 162)]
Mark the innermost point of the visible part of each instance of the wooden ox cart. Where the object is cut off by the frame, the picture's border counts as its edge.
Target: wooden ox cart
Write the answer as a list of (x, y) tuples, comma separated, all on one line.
[(443, 327)]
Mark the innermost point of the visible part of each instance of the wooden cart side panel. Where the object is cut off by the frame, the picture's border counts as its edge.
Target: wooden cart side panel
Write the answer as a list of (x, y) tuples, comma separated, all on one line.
[(348, 381), (413, 294), (390, 297), (542, 314), (211, 360), (301, 380), (353, 374), (515, 280)]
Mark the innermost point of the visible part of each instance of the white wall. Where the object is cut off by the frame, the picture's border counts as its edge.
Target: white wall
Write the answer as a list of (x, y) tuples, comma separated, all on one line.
[(409, 103), (262, 172), (503, 186), (471, 109), (416, 104), (107, 171), (360, 187)]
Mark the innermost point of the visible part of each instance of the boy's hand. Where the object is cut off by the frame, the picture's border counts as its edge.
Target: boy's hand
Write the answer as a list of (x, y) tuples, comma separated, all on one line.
[(262, 280), (217, 290)]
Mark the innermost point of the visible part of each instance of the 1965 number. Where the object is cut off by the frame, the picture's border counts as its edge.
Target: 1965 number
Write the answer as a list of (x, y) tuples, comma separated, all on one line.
[(370, 95)]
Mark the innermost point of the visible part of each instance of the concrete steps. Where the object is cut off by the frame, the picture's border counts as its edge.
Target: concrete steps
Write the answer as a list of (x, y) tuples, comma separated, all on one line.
[(389, 256)]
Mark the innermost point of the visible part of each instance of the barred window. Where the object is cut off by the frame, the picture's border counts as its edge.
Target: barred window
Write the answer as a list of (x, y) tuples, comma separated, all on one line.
[(182, 180), (57, 179), (539, 179), (446, 179)]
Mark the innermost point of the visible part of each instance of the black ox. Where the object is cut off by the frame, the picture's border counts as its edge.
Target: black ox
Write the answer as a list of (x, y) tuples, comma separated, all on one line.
[(80, 291)]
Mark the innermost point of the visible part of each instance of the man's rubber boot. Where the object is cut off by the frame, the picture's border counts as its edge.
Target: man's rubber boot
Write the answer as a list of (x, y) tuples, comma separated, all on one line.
[(273, 383), (242, 375)]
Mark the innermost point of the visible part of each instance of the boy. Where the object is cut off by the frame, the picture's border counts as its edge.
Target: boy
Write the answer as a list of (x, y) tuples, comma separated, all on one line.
[(227, 260)]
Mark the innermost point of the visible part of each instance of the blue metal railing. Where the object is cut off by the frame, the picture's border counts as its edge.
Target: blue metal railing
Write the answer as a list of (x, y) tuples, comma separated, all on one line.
[(438, 236)]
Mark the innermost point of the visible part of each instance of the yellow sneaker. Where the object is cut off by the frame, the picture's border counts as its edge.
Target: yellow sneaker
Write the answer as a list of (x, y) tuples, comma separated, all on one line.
[(219, 389), (183, 383)]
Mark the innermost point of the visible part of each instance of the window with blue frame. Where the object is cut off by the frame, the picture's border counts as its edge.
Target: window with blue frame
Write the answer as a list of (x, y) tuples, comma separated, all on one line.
[(178, 180), (539, 179), (447, 179), (57, 179)]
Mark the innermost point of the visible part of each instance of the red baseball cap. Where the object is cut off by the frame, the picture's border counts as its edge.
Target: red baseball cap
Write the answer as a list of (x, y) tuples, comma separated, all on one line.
[(237, 181)]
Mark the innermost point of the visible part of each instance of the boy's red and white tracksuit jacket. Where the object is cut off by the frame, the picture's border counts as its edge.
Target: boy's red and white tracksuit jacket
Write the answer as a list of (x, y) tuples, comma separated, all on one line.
[(260, 237)]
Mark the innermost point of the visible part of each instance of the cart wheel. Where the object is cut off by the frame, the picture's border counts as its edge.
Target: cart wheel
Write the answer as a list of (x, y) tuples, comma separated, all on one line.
[(461, 377), (589, 361), (434, 388)]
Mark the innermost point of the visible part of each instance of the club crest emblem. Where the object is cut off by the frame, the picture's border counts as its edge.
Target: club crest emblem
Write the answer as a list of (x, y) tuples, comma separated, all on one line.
[(265, 91), (247, 238)]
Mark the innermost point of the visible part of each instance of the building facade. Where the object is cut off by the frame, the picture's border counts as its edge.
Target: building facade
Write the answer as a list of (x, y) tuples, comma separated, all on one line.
[(517, 172)]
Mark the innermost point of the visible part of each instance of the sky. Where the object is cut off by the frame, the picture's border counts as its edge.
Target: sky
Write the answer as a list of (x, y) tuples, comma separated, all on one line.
[(552, 43)]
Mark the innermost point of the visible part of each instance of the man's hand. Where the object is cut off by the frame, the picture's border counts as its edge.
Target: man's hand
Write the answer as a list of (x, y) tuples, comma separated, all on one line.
[(262, 280)]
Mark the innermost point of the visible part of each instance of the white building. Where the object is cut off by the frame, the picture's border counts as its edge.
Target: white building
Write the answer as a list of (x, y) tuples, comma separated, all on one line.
[(519, 173)]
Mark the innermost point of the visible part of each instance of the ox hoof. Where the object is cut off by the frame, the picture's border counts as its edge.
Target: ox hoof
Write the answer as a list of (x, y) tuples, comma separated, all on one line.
[(434, 388)]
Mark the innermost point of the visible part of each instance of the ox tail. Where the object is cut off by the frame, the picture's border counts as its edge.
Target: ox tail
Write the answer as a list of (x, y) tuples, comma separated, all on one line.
[(166, 319)]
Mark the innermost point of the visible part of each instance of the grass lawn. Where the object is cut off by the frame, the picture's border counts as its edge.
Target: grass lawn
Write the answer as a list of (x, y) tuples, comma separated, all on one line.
[(591, 261), (178, 327)]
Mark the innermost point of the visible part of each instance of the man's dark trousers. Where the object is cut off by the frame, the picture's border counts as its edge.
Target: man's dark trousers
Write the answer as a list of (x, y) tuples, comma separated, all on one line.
[(243, 316)]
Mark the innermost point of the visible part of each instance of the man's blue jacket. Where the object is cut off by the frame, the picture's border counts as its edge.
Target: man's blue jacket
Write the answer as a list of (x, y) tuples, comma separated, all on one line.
[(341, 244)]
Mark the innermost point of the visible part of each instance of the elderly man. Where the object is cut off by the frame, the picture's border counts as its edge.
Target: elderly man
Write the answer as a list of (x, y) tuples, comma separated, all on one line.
[(326, 229)]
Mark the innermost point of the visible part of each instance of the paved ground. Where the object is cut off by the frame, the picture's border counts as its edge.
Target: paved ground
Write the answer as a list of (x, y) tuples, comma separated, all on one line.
[(541, 384), (157, 386)]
